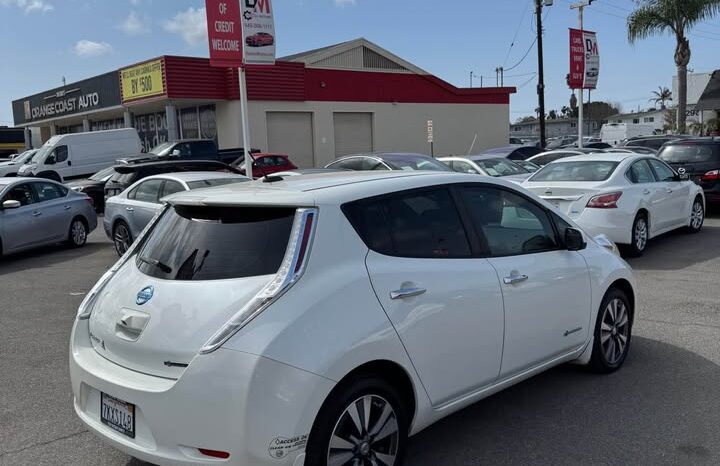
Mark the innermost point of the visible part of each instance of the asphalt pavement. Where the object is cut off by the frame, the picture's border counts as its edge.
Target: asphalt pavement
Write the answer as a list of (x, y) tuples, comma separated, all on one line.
[(661, 408)]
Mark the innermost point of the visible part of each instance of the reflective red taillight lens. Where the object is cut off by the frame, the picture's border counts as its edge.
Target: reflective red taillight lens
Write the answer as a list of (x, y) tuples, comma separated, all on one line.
[(604, 201), (712, 175), (214, 453)]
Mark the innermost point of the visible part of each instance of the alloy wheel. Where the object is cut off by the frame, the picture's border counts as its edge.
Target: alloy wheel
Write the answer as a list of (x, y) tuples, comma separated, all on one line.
[(614, 331), (78, 233), (641, 234), (697, 216), (122, 239), (366, 434)]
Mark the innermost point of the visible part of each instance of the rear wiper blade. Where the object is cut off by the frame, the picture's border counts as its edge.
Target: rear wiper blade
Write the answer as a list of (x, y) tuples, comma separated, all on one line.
[(149, 260)]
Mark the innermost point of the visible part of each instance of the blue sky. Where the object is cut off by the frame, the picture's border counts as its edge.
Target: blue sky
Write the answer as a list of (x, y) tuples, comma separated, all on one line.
[(45, 40)]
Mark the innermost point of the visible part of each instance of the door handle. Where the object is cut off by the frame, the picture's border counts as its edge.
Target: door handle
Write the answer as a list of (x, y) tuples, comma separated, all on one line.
[(514, 278), (67, 207), (69, 163), (646, 191), (669, 190), (36, 214), (406, 293), (129, 209)]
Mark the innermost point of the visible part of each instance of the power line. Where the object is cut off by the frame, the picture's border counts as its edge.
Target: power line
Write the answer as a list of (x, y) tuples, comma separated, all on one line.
[(512, 43)]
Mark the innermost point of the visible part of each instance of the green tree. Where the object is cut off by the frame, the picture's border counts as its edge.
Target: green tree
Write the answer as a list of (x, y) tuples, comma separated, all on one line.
[(661, 96), (654, 17)]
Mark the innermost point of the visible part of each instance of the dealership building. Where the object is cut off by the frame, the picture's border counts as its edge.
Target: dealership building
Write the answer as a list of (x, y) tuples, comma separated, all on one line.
[(314, 106)]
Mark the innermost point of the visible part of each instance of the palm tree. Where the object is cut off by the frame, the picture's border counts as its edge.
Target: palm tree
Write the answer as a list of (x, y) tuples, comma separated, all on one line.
[(662, 95), (654, 17)]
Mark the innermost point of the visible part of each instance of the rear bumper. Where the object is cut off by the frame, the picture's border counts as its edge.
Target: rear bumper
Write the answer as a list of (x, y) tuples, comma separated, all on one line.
[(228, 401), (614, 223)]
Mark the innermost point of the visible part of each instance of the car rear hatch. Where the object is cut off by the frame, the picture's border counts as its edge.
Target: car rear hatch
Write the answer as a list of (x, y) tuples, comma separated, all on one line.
[(199, 270), (693, 158)]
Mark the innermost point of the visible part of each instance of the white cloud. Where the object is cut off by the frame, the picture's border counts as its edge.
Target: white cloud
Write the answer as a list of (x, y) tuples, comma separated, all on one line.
[(29, 6), (342, 3), (134, 25), (87, 48), (190, 24)]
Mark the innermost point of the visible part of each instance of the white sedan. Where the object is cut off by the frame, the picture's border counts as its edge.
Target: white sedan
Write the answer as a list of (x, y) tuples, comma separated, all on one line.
[(628, 197), (321, 320)]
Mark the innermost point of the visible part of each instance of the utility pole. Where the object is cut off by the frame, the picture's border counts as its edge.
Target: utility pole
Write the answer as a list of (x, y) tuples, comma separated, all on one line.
[(580, 6), (541, 73)]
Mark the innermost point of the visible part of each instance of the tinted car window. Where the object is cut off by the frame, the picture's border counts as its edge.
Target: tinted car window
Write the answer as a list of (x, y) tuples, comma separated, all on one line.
[(640, 172), (690, 153), (48, 191), (509, 223), (22, 193), (663, 172), (546, 159), (576, 171), (203, 148), (171, 187), (417, 224), (213, 243), (148, 191)]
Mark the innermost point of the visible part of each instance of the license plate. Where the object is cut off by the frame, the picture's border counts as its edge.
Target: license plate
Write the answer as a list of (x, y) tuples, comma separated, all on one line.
[(117, 414)]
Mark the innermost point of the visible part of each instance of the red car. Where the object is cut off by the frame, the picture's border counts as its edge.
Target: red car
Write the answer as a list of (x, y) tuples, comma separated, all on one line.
[(261, 39), (265, 164)]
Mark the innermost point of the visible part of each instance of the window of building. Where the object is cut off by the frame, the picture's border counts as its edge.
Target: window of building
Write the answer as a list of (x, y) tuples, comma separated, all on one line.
[(636, 121), (573, 125), (649, 119)]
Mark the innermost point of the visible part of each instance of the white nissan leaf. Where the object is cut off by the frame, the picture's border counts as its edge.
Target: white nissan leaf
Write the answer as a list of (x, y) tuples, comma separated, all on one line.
[(321, 320)]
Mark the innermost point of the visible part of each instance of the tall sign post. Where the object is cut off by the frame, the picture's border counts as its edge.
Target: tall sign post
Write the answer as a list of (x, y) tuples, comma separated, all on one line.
[(241, 32), (584, 62), (431, 137)]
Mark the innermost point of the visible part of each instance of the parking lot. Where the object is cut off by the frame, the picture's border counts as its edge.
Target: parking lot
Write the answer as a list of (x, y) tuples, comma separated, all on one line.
[(661, 408)]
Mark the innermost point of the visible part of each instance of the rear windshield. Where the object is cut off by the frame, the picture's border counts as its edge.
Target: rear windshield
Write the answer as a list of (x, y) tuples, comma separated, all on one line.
[(690, 153), (500, 167), (414, 162), (576, 171), (214, 182), (213, 243)]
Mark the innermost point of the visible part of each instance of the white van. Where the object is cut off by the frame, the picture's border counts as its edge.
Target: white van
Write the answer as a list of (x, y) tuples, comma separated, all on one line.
[(615, 133), (80, 154)]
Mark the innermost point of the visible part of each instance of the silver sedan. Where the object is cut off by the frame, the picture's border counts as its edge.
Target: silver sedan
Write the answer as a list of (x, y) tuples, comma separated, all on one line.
[(130, 211), (36, 212)]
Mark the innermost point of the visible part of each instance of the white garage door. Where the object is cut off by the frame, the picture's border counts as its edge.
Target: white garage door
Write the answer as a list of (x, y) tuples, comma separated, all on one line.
[(291, 133), (353, 133)]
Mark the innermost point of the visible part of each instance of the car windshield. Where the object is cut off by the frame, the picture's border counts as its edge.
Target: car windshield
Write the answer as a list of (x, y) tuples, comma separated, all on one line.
[(23, 158), (592, 170), (414, 162), (214, 182), (161, 149), (103, 174), (690, 153), (500, 167)]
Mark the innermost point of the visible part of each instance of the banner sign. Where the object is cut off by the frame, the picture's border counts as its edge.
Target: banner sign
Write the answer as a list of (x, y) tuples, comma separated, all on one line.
[(83, 96), (584, 60), (143, 80), (258, 32), (224, 33)]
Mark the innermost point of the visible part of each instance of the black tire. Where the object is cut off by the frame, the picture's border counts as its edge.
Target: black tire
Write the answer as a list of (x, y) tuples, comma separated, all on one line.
[(50, 176), (637, 247), (332, 418), (77, 233), (604, 359), (697, 216), (122, 238)]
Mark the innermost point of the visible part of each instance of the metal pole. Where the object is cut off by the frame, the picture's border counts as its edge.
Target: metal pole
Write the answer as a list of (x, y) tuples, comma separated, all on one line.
[(471, 78), (581, 92), (247, 145), (502, 77), (541, 74)]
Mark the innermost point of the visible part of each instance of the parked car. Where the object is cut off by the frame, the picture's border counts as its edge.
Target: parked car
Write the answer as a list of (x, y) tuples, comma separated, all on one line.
[(130, 211), (589, 145), (697, 158), (266, 164), (557, 143), (94, 187), (188, 149), (336, 316), (631, 150), (127, 174), (388, 161), (528, 165), (630, 198), (308, 171), (545, 158), (653, 142), (513, 152), (36, 212), (515, 141), (76, 155), (488, 165), (259, 39), (11, 167)]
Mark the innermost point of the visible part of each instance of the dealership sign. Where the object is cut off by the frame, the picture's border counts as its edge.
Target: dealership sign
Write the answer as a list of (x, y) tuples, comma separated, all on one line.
[(584, 60), (224, 33), (143, 80), (80, 97), (258, 32)]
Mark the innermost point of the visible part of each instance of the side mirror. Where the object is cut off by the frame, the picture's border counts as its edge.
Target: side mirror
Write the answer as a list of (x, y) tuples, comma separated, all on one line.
[(11, 204), (175, 152), (574, 240)]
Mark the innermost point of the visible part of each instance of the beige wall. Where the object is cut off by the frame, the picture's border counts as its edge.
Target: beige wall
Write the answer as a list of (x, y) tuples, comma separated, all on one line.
[(396, 127)]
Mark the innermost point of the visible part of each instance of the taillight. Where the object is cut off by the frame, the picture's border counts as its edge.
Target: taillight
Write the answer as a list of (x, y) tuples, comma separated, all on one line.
[(712, 175), (214, 453), (90, 200), (290, 271), (604, 201)]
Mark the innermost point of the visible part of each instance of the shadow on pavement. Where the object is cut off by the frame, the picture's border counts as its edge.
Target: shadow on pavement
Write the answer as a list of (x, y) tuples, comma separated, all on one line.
[(47, 256), (660, 408), (678, 250)]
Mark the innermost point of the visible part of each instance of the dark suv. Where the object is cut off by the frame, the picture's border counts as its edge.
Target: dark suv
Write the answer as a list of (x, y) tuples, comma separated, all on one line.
[(652, 142), (127, 174), (698, 158)]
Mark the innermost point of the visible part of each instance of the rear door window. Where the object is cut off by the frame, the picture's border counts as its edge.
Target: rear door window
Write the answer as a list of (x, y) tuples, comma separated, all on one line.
[(148, 191), (48, 191), (171, 187), (640, 172), (214, 243)]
